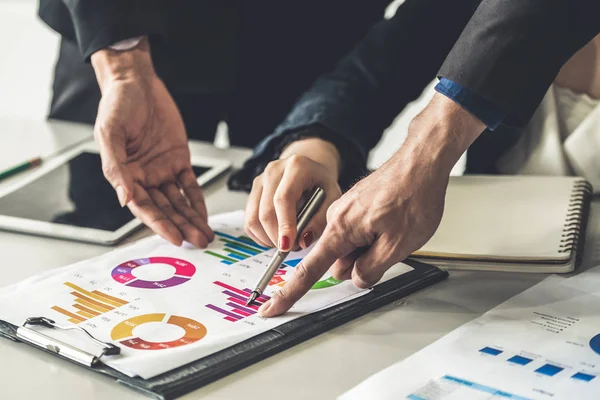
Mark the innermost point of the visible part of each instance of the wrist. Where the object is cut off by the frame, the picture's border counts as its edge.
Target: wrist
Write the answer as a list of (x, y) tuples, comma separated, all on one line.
[(112, 65), (318, 150), (440, 134)]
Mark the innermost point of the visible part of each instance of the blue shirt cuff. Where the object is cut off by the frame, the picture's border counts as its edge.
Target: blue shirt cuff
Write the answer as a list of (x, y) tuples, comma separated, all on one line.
[(487, 112)]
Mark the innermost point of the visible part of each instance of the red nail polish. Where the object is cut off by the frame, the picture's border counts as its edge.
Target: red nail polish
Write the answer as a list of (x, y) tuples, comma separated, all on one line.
[(308, 238), (284, 243)]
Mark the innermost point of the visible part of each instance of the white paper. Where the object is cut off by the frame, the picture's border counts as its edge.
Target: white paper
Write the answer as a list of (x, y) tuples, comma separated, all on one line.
[(588, 281), (170, 305), (541, 344)]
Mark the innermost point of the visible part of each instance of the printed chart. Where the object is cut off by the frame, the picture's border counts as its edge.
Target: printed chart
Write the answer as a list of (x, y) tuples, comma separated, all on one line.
[(124, 331), (235, 248), (546, 369), (457, 388), (88, 304), (240, 248), (182, 272), (235, 306)]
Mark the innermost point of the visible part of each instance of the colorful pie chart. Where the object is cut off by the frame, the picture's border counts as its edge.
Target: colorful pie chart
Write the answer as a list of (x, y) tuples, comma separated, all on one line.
[(123, 332), (183, 272)]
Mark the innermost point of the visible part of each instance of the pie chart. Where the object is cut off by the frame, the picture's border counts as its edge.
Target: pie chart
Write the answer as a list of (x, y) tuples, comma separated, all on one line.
[(595, 343), (125, 272), (124, 331)]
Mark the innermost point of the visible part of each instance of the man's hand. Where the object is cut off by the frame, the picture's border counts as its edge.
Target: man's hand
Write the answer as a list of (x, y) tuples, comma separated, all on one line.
[(144, 149), (392, 212)]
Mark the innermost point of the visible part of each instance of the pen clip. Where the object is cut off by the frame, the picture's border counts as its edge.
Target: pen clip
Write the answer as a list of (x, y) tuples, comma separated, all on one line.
[(49, 343)]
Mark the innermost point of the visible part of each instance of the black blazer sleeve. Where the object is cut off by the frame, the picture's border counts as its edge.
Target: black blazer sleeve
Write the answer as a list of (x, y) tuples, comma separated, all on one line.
[(387, 70), (511, 50), (96, 24)]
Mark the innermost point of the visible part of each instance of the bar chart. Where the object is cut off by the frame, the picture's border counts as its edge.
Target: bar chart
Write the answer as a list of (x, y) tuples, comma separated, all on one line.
[(235, 248), (235, 307), (88, 304), (547, 369)]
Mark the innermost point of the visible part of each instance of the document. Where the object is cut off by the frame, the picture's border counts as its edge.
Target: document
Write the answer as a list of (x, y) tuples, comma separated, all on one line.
[(542, 344), (165, 306)]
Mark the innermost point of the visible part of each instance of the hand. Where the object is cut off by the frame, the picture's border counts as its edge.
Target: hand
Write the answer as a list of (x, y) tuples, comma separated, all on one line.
[(273, 202), (392, 212), (144, 149)]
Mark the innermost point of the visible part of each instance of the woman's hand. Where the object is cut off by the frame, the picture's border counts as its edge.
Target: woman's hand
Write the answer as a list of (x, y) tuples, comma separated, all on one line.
[(277, 193)]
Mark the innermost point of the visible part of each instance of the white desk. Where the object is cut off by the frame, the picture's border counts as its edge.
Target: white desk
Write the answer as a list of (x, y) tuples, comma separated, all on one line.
[(320, 368)]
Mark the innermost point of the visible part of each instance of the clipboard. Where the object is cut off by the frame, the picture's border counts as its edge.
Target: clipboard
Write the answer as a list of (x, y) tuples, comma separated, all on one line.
[(199, 373)]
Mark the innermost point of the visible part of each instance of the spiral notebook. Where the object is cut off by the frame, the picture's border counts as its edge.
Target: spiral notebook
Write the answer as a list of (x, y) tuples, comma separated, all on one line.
[(511, 223)]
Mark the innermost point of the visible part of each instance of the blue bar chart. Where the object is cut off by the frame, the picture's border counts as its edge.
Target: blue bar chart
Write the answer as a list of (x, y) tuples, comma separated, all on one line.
[(235, 248)]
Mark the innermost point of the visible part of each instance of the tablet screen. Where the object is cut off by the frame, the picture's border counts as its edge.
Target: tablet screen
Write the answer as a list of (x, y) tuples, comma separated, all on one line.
[(75, 193)]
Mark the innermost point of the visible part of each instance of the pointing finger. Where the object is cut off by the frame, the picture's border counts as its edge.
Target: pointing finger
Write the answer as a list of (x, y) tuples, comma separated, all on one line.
[(310, 270)]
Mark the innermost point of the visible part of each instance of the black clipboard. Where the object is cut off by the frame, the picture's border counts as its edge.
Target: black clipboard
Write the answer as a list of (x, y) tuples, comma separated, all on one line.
[(197, 374)]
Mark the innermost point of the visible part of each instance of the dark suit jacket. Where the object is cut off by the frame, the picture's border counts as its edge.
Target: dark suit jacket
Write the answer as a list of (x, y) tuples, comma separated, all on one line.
[(507, 51), (262, 53)]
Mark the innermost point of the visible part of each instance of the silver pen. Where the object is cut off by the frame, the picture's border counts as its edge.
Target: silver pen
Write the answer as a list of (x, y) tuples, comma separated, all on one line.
[(304, 216)]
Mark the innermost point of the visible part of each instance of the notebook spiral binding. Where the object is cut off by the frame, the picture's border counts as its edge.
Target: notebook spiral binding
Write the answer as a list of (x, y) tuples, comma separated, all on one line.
[(573, 235)]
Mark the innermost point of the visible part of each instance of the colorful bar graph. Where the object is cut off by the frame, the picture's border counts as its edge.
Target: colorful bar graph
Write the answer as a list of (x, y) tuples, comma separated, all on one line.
[(549, 370), (519, 360), (88, 304), (491, 351), (224, 312), (243, 303), (235, 248), (242, 240), (222, 257), (235, 308)]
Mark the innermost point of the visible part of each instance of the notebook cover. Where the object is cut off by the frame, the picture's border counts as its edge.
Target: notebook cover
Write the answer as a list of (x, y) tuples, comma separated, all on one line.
[(511, 219), (197, 374)]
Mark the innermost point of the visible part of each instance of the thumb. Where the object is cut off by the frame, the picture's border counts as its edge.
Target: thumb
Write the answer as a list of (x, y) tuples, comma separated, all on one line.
[(115, 169), (370, 267)]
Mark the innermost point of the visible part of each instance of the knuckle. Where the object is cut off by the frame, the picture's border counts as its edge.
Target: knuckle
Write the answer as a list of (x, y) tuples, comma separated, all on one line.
[(257, 181), (266, 214), (282, 198), (109, 171), (281, 294), (285, 227), (252, 221), (272, 169), (296, 160), (302, 272)]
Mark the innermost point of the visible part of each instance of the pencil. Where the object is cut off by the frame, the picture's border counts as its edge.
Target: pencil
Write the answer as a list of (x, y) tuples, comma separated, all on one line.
[(34, 162)]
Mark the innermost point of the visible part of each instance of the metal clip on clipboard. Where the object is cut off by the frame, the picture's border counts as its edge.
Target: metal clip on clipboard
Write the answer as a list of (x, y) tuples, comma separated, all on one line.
[(66, 350)]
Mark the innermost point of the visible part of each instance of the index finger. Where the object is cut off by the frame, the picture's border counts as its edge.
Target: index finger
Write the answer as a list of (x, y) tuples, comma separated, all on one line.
[(327, 250), (285, 201)]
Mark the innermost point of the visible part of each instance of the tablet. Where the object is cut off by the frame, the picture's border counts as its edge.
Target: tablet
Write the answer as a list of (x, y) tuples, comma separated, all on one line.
[(69, 198)]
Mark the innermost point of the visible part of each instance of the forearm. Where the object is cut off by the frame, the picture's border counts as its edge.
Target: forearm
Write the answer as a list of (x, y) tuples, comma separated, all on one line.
[(110, 65), (439, 135)]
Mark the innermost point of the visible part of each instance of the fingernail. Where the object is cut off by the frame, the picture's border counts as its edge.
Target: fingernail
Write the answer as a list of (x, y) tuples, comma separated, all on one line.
[(264, 308), (308, 238), (121, 195), (284, 243)]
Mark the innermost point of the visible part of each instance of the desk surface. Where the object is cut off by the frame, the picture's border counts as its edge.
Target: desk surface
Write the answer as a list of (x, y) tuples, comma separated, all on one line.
[(323, 367)]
